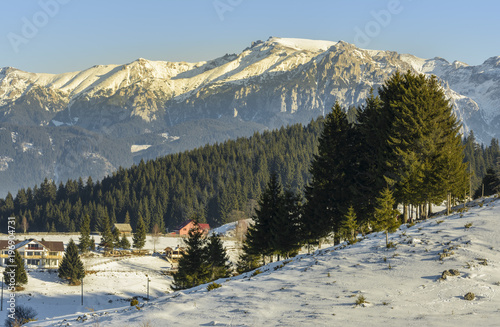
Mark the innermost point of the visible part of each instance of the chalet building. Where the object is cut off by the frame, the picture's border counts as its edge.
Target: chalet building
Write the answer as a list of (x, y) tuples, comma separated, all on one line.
[(186, 226), (124, 229), (37, 254)]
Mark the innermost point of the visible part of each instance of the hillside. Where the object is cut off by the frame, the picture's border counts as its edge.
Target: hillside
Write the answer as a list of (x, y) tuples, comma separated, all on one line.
[(401, 285), (153, 108)]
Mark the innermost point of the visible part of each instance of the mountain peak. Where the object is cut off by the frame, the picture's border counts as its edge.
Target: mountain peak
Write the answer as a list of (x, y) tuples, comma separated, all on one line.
[(301, 44)]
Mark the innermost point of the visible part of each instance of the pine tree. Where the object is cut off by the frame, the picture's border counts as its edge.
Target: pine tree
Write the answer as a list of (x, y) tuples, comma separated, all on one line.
[(247, 261), (193, 267), (85, 241), (285, 228), (332, 170), (426, 156), (116, 238), (71, 266), (260, 234), (139, 238), (124, 243), (349, 225), (15, 275), (385, 216), (107, 239), (217, 258)]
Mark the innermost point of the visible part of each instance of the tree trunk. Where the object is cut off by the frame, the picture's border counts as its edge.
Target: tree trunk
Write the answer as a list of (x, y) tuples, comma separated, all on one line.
[(405, 213), (386, 239)]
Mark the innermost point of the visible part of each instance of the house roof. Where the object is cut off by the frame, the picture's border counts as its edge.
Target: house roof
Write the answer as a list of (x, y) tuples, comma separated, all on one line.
[(204, 226), (187, 222), (50, 245), (123, 227), (53, 245)]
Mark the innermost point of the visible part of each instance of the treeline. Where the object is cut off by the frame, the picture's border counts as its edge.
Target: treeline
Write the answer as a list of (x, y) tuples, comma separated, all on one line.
[(480, 160), (214, 184)]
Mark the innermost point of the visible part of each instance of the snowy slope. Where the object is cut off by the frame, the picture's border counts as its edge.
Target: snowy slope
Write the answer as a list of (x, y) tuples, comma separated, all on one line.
[(402, 285)]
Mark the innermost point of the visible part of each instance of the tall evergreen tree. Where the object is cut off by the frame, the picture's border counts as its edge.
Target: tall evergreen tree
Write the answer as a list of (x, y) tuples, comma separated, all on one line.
[(17, 274), (71, 267), (426, 156), (331, 187), (193, 267), (107, 238), (139, 238), (85, 242), (217, 258), (260, 234)]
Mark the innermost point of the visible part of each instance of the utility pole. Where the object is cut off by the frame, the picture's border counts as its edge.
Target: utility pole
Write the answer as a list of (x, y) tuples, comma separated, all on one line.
[(148, 288), (82, 291), (1, 305)]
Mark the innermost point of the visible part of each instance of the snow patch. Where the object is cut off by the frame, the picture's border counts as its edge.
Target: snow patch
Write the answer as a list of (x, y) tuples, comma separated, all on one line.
[(136, 147)]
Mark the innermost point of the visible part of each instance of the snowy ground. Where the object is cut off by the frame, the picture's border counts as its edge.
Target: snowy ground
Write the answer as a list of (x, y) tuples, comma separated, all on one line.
[(401, 285), (112, 282)]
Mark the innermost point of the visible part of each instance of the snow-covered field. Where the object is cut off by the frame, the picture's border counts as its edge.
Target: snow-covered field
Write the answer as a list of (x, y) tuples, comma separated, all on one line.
[(401, 285)]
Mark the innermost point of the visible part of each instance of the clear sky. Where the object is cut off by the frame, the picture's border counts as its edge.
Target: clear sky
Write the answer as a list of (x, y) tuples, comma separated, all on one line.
[(54, 36)]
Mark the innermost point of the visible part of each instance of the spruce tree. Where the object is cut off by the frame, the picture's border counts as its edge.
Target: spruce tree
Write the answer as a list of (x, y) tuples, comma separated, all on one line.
[(385, 216), (71, 266), (124, 243), (247, 261), (85, 241), (193, 267), (15, 275), (139, 238), (260, 233), (285, 228), (425, 160), (107, 239), (332, 171), (349, 225), (116, 238), (217, 258)]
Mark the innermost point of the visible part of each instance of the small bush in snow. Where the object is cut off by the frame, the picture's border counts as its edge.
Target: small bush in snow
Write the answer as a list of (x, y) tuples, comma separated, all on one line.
[(468, 225), (469, 296), (22, 316), (213, 286), (134, 302), (256, 272), (391, 245), (361, 300)]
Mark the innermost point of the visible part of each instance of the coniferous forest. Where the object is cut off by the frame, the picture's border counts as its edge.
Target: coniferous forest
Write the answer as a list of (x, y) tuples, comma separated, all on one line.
[(214, 184), (346, 159)]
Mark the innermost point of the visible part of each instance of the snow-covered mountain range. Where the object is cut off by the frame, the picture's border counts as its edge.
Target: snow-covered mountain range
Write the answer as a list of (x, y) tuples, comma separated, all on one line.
[(267, 85)]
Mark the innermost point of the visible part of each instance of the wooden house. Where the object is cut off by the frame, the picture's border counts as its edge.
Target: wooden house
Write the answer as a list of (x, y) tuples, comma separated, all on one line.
[(124, 229)]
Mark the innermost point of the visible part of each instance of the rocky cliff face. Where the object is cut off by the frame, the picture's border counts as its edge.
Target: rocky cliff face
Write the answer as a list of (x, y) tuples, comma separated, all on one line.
[(269, 84)]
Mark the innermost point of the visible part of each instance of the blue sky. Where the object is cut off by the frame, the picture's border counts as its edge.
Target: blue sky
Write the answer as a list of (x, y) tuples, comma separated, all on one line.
[(54, 36)]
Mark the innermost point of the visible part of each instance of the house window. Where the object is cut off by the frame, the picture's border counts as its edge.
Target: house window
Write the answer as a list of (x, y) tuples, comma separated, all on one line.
[(52, 253), (34, 262), (29, 253), (34, 246)]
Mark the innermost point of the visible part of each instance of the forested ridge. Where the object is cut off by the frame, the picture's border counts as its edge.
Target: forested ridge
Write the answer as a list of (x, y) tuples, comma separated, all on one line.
[(214, 184)]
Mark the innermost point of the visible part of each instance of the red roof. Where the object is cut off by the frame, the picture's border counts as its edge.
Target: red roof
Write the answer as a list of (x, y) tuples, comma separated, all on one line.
[(204, 226)]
